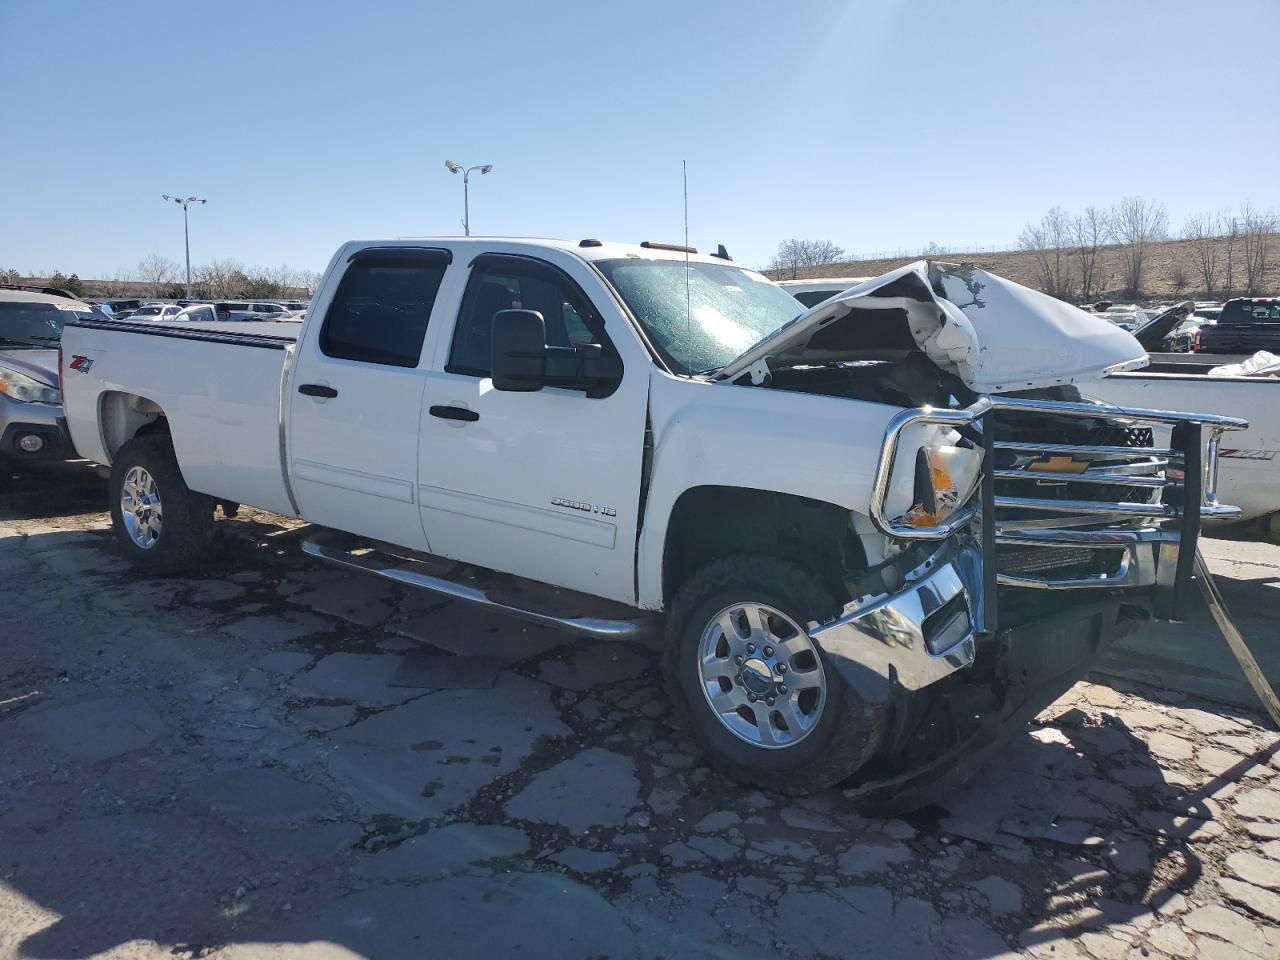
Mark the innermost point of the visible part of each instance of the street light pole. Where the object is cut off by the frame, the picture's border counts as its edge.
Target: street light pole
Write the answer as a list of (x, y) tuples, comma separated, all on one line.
[(466, 189), (186, 230)]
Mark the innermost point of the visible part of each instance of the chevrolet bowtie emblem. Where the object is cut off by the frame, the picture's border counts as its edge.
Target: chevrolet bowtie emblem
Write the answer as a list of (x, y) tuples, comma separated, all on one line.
[(1060, 464)]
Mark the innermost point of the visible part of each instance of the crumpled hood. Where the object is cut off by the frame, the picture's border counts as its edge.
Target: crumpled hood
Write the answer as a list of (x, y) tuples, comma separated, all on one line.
[(40, 365), (996, 335)]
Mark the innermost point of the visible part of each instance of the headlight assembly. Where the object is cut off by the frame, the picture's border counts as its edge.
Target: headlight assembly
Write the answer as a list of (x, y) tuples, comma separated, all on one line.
[(946, 477), (26, 389)]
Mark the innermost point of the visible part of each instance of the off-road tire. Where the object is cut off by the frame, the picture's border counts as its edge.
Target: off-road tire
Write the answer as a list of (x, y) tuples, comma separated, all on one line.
[(187, 525), (848, 732)]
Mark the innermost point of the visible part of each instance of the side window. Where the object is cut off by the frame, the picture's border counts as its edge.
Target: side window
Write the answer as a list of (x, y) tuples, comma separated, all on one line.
[(507, 283), (380, 311)]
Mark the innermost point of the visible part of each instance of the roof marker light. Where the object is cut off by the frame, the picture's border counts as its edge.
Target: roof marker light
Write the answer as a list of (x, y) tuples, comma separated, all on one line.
[(677, 247)]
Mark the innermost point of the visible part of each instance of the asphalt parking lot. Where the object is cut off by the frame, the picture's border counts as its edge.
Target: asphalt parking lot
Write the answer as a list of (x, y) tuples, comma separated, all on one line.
[(282, 760)]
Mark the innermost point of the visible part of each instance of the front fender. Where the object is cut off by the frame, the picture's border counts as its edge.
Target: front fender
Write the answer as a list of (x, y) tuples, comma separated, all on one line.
[(721, 434)]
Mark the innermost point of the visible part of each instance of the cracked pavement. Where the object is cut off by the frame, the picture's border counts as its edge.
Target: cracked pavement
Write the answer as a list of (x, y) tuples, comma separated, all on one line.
[(282, 760)]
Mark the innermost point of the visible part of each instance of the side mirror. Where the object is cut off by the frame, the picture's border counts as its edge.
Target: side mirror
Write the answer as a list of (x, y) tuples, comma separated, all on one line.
[(518, 351), (521, 361)]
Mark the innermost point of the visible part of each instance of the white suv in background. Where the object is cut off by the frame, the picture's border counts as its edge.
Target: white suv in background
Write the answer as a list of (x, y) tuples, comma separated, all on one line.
[(813, 292)]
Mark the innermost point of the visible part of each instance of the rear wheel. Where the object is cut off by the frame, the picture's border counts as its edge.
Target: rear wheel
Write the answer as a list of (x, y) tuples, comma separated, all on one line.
[(761, 698), (163, 526)]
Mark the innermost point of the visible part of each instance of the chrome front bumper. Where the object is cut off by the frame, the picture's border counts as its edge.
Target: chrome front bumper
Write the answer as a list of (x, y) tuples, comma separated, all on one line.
[(932, 624), (917, 635)]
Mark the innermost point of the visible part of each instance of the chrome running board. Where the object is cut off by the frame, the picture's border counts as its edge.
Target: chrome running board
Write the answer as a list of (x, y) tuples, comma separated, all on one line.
[(527, 599)]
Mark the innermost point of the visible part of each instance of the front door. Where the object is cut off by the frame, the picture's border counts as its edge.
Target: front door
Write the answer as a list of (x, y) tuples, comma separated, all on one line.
[(544, 484), (357, 393)]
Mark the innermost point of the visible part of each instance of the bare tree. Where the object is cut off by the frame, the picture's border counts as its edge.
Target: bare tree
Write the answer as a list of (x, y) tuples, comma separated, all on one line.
[(1088, 233), (1135, 223), (1257, 228), (1178, 278), (1202, 230), (219, 279), (1229, 227), (156, 273), (1050, 240), (794, 254), (11, 277)]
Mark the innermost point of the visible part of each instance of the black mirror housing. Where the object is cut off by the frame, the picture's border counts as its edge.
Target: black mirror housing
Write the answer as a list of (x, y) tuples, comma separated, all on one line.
[(518, 351), (521, 361)]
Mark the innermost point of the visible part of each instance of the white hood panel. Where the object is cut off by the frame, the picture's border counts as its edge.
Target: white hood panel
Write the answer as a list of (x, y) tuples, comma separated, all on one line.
[(996, 335)]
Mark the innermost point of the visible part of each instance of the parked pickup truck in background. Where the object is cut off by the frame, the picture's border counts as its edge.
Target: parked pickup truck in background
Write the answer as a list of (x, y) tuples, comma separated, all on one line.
[(878, 531), (1244, 327)]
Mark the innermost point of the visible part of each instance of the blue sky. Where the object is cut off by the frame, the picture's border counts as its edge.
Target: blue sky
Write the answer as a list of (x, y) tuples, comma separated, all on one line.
[(875, 125)]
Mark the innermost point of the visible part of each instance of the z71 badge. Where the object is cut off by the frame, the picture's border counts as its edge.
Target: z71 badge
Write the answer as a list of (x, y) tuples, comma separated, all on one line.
[(584, 507), (80, 363)]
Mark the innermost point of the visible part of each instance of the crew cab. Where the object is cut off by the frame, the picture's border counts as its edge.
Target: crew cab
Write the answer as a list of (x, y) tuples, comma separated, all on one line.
[(876, 532)]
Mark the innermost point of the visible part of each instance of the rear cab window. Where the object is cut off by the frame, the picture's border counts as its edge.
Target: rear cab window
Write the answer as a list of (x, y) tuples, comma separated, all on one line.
[(1244, 311), (380, 311)]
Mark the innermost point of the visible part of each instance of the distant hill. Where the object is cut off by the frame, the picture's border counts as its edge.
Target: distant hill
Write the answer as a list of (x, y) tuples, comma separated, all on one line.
[(1160, 283)]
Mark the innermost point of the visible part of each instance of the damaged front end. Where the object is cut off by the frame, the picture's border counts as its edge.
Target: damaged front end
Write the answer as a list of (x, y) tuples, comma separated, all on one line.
[(985, 623)]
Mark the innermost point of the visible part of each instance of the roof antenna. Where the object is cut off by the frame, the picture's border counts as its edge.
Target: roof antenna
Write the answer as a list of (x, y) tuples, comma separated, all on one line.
[(688, 296)]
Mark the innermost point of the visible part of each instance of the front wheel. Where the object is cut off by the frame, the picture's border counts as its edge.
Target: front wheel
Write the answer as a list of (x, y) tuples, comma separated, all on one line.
[(163, 526), (761, 698)]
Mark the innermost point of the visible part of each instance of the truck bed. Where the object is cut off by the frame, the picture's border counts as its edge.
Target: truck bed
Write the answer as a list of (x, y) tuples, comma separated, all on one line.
[(218, 390), (1247, 474)]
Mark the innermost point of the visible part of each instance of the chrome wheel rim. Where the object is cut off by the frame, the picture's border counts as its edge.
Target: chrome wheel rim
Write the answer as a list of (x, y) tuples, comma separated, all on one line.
[(140, 507), (761, 675)]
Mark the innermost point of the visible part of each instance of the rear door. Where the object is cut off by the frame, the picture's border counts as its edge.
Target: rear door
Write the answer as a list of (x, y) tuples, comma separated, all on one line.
[(356, 393), (545, 484)]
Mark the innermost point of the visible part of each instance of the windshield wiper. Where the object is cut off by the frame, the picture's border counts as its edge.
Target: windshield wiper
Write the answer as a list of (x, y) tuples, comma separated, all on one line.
[(47, 339), (16, 343)]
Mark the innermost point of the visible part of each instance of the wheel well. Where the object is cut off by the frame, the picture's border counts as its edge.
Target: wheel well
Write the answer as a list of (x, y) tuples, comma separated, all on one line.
[(710, 522), (124, 416)]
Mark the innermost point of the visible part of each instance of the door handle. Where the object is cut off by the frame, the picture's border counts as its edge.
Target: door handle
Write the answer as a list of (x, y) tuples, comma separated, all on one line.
[(316, 390), (454, 413)]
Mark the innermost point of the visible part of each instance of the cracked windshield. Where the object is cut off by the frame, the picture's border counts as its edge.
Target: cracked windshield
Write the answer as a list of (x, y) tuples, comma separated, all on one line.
[(701, 325)]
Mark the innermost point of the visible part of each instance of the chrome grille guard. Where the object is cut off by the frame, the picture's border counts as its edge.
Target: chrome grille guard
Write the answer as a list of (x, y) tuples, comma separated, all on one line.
[(1158, 538)]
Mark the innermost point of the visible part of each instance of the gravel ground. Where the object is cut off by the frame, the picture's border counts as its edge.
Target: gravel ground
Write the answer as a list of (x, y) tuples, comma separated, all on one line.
[(281, 760)]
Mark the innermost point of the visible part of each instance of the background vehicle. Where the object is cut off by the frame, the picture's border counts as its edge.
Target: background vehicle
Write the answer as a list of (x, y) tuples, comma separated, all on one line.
[(251, 310), (813, 292), (591, 434), (1245, 326), (156, 311), (1247, 465), (122, 309), (213, 317), (32, 430)]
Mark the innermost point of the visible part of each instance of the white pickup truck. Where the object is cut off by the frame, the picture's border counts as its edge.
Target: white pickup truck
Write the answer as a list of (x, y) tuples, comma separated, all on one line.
[(879, 531)]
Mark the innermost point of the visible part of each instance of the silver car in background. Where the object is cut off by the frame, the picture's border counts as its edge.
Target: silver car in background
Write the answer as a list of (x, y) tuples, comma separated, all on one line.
[(32, 428)]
